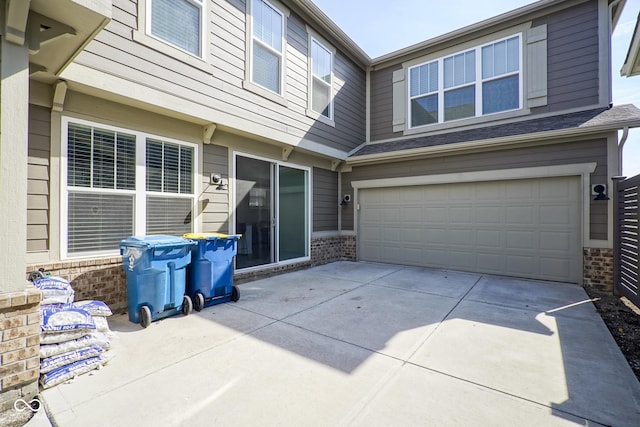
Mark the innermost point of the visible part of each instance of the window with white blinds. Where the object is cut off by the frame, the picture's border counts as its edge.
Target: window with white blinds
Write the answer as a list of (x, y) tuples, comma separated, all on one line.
[(267, 45), (104, 200), (169, 171), (178, 22)]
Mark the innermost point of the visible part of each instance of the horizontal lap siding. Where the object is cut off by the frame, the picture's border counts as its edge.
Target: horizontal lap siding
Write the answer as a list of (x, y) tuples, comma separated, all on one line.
[(545, 155), (325, 200), (572, 57), (382, 104), (215, 209), (113, 51), (38, 179)]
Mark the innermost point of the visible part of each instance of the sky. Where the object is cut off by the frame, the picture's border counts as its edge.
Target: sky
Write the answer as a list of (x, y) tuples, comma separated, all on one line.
[(381, 26)]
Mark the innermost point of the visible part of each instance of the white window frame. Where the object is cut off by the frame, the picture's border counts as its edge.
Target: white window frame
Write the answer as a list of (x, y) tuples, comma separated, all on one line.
[(315, 38), (140, 193), (143, 35), (199, 4), (249, 84), (477, 82), (276, 207)]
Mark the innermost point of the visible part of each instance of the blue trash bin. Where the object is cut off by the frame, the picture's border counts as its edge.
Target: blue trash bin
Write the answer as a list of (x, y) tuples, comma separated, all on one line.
[(155, 267), (210, 274)]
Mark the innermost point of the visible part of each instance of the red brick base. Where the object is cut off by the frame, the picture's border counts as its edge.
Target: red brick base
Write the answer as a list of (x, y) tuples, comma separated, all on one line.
[(598, 269)]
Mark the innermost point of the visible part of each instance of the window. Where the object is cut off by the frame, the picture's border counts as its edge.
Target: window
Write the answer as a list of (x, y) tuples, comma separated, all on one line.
[(321, 93), (106, 201), (267, 45), (178, 22), (457, 86)]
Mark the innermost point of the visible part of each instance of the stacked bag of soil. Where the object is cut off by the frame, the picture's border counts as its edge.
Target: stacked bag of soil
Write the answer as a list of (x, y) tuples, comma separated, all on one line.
[(73, 335)]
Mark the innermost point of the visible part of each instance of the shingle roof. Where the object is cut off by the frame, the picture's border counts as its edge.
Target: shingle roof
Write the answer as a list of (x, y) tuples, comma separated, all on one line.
[(615, 117)]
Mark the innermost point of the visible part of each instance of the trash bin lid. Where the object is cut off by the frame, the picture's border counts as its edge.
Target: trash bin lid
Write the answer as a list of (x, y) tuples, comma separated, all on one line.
[(159, 240), (211, 236)]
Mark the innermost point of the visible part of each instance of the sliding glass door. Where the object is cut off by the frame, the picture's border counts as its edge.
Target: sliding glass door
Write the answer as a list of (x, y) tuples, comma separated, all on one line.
[(272, 212)]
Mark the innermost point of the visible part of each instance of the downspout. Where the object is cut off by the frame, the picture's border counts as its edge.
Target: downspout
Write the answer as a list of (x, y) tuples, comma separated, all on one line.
[(625, 134)]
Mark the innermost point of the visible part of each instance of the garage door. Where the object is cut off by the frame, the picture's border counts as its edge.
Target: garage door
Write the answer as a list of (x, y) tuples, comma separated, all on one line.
[(524, 228)]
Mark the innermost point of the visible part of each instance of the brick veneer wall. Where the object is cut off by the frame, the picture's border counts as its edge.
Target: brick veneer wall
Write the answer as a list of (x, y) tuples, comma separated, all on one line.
[(19, 346), (598, 268), (101, 279)]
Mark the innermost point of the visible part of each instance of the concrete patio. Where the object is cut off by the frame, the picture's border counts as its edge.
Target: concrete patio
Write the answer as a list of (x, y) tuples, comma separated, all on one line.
[(365, 344)]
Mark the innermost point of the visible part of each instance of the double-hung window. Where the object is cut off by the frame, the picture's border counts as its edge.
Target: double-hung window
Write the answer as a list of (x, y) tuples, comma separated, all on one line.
[(321, 62), (267, 45), (178, 22), (479, 81), (120, 183)]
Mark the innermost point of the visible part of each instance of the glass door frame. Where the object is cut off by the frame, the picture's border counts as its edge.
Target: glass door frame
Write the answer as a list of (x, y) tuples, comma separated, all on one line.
[(275, 194)]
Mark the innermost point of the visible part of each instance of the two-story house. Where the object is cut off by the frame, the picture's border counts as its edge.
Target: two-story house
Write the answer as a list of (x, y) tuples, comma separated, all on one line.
[(487, 149)]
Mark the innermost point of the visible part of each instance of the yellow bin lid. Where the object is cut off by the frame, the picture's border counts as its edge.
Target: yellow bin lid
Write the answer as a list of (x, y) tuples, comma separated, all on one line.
[(209, 236)]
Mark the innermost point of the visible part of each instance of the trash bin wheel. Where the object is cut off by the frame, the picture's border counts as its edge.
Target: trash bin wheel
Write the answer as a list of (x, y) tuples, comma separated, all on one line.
[(198, 301), (145, 316), (187, 305), (235, 294)]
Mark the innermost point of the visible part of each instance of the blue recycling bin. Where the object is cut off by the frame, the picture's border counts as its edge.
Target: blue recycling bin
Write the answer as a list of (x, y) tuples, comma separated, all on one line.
[(210, 274), (155, 268)]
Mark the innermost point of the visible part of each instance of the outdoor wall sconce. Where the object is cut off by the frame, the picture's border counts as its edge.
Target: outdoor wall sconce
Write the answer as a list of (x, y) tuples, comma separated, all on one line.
[(599, 190), (216, 179), (345, 200)]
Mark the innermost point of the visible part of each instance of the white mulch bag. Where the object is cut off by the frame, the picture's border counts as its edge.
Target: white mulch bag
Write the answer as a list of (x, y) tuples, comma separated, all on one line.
[(94, 338), (55, 320), (95, 308), (70, 371), (102, 325), (50, 363), (61, 337), (55, 290)]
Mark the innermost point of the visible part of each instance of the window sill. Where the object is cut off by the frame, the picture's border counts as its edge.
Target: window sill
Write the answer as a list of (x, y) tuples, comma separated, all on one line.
[(265, 93), (320, 118), (467, 122), (172, 51)]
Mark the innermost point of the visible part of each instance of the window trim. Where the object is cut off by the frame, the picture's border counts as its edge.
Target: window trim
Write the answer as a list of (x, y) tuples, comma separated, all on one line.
[(314, 37), (478, 82), (143, 36), (140, 193), (248, 82)]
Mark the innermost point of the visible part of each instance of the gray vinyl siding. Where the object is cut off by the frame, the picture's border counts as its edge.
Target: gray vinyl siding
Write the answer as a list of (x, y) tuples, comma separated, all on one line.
[(215, 214), (544, 155), (115, 52), (38, 179), (572, 58), (382, 104), (325, 200)]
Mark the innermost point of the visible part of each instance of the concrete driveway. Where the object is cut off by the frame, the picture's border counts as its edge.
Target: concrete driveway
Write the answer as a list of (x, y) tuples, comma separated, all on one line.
[(365, 344)]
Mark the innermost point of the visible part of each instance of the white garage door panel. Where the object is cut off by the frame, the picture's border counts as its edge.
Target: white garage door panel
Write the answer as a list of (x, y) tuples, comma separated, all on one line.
[(525, 228)]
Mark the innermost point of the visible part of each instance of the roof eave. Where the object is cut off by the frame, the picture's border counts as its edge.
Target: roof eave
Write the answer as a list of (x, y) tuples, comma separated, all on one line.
[(398, 155), (631, 66)]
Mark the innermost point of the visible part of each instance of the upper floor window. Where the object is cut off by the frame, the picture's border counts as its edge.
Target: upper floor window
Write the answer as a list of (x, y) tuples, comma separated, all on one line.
[(179, 22), (479, 81), (267, 45), (107, 200), (321, 93)]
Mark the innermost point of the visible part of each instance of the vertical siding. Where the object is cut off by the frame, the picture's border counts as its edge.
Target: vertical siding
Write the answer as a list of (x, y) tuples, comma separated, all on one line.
[(38, 179), (219, 82), (545, 155), (325, 200), (572, 57), (382, 104), (215, 203)]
